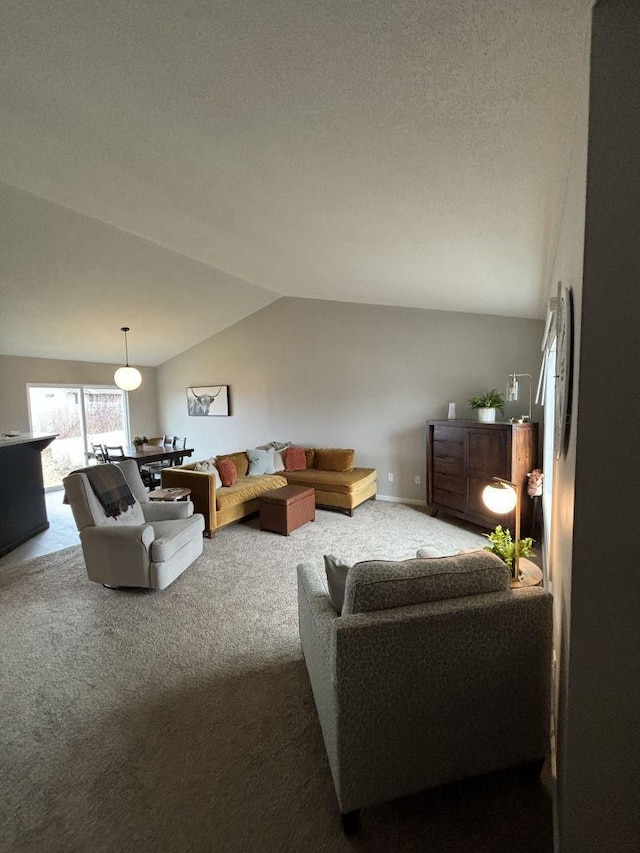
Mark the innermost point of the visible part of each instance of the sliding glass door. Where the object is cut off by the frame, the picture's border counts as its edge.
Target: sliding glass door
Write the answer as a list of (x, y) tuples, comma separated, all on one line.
[(81, 415)]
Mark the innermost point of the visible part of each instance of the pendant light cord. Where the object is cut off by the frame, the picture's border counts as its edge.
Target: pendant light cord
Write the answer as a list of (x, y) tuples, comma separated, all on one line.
[(125, 329)]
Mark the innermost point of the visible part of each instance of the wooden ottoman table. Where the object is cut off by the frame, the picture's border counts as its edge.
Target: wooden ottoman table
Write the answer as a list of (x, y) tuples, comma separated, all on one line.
[(283, 510)]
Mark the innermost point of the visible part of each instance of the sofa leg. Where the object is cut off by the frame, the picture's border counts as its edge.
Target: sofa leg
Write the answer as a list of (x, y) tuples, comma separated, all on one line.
[(350, 513), (350, 821)]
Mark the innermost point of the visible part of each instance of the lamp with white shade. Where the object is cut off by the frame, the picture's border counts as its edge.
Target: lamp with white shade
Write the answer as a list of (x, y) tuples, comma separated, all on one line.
[(127, 378)]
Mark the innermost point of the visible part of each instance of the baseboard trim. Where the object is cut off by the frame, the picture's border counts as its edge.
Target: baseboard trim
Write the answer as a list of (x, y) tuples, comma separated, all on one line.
[(394, 500)]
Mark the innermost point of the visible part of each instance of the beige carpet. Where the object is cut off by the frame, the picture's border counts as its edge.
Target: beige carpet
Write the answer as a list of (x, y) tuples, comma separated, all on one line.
[(183, 720)]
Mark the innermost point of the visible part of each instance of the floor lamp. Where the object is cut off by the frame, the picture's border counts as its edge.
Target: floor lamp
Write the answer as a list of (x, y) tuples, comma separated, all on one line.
[(501, 496)]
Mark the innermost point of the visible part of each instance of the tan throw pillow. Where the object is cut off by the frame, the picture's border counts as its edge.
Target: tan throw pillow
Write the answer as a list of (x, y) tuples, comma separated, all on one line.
[(240, 461), (208, 466), (278, 460), (334, 459), (310, 455)]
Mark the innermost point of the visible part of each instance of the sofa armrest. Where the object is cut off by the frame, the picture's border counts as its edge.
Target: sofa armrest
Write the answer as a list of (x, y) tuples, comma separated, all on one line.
[(203, 491), (166, 510), (314, 608), (316, 618)]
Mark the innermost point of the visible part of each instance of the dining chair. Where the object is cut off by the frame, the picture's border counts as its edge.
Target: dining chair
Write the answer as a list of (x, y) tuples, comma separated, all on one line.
[(99, 453), (114, 454), (152, 471), (178, 444)]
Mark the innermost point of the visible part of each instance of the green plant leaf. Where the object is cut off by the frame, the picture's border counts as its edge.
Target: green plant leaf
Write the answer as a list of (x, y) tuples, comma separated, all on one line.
[(491, 399)]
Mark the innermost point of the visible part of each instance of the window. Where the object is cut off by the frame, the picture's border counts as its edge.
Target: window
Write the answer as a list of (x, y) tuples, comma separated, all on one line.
[(81, 415)]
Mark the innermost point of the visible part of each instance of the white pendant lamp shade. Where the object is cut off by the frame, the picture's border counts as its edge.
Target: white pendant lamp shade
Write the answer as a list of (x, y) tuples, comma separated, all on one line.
[(499, 498), (127, 378)]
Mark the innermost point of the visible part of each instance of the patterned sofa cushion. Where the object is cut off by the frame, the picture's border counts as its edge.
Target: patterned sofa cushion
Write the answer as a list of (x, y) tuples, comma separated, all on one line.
[(384, 584)]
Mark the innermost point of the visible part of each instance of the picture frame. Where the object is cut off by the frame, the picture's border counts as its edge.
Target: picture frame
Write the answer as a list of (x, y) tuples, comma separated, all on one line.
[(209, 401)]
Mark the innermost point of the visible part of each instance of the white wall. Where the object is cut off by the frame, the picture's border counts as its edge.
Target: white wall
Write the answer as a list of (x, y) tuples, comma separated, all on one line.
[(340, 374), (16, 372), (599, 744), (568, 268), (69, 283)]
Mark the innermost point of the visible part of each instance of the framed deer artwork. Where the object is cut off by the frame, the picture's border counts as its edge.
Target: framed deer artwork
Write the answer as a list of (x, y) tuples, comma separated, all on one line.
[(209, 401)]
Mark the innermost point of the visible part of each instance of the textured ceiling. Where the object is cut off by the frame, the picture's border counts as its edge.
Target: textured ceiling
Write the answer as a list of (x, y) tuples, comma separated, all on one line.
[(411, 153)]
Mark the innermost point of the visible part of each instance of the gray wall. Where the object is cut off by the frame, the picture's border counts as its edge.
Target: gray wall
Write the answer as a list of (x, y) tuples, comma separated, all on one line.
[(341, 374), (599, 744), (16, 372), (568, 269)]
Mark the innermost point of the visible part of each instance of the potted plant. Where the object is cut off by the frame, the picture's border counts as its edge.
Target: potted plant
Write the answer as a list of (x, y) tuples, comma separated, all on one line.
[(504, 547), (487, 403), (139, 440)]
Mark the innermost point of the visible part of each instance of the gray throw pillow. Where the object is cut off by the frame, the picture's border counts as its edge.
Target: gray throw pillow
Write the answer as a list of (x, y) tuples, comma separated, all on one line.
[(336, 579), (261, 462)]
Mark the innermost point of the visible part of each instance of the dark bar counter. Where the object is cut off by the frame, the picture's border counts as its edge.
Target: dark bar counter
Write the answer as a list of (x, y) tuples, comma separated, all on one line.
[(23, 511)]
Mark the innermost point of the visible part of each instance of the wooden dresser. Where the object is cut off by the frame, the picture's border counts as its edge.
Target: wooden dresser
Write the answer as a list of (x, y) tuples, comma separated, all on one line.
[(463, 456)]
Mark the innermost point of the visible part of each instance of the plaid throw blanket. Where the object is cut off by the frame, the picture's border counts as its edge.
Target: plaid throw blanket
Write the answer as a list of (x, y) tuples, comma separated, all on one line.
[(111, 489)]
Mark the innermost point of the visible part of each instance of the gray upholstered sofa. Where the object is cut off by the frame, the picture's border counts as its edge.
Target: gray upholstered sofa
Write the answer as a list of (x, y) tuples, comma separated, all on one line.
[(435, 671)]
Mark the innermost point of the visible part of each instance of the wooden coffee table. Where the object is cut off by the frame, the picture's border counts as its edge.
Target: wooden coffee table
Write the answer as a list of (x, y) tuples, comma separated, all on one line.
[(173, 494), (285, 509)]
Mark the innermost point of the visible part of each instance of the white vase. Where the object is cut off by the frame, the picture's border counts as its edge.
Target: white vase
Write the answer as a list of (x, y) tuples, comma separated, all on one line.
[(486, 415)]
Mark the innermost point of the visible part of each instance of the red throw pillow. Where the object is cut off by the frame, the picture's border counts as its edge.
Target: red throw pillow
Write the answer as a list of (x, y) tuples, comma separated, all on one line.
[(295, 459), (228, 472)]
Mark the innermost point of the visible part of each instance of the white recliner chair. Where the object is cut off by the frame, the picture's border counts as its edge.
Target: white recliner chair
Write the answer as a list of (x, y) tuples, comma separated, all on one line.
[(149, 545)]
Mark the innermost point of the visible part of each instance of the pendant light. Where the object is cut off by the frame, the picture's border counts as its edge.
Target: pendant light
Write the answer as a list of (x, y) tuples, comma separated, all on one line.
[(127, 378)]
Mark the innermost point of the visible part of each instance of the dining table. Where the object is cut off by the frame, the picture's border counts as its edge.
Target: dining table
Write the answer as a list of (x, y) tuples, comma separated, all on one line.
[(152, 453)]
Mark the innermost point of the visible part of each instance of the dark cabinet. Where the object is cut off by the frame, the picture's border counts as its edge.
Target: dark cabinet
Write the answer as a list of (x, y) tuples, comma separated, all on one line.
[(463, 456)]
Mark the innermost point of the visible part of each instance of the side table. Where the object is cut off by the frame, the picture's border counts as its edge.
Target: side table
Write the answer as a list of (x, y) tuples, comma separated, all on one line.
[(173, 494), (530, 575)]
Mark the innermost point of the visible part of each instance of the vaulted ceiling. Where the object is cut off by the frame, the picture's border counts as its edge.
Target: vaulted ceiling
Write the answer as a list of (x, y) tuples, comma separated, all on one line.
[(175, 165)]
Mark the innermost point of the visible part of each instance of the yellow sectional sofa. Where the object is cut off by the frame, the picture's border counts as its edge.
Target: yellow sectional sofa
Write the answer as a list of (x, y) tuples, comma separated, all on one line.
[(343, 490)]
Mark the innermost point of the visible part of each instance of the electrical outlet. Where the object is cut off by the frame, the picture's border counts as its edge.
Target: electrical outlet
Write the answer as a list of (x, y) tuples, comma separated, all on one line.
[(390, 477), (417, 479)]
